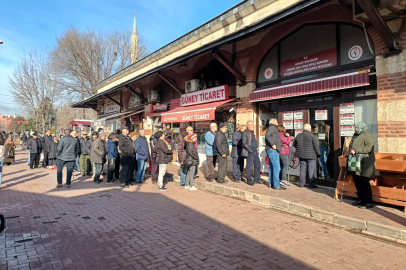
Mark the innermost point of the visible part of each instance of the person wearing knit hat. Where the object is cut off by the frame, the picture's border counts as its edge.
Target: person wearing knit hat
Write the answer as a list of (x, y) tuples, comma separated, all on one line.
[(182, 156), (163, 157), (100, 130), (127, 158), (222, 151)]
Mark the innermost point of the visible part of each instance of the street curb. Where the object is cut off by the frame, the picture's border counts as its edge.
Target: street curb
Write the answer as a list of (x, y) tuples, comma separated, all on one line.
[(366, 227)]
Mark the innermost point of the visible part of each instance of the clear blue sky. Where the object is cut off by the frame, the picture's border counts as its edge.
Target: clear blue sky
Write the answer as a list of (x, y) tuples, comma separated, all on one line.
[(27, 24)]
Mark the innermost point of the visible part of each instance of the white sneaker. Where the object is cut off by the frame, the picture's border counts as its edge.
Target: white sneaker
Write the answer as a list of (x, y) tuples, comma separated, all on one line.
[(187, 187), (193, 188)]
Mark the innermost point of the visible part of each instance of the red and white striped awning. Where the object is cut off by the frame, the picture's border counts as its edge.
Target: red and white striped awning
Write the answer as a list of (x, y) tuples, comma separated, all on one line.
[(342, 80)]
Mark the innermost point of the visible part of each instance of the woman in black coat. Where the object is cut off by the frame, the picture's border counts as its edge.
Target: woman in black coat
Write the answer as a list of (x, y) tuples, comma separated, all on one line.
[(191, 151), (52, 155)]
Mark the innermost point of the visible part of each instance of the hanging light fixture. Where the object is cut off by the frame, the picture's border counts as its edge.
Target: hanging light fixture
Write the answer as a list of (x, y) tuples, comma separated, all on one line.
[(183, 64)]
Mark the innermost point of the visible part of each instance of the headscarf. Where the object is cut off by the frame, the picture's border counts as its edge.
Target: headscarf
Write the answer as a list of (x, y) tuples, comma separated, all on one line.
[(361, 127)]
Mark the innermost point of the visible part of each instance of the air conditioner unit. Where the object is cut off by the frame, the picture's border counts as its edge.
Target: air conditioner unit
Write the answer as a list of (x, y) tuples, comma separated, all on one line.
[(191, 86), (153, 96), (136, 101)]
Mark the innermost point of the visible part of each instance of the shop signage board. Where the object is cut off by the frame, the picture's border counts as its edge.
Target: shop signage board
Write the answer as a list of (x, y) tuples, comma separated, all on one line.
[(347, 119), (298, 115), (217, 93), (298, 124), (135, 118), (288, 115), (192, 116), (346, 108), (159, 107), (347, 131), (309, 63), (298, 131), (321, 115), (175, 103), (110, 106), (288, 124)]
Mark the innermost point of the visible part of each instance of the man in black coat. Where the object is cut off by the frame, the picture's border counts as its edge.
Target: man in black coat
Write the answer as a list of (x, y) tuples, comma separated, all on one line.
[(35, 147), (238, 160), (308, 151), (67, 151), (47, 142), (222, 151), (250, 151), (127, 156), (273, 147)]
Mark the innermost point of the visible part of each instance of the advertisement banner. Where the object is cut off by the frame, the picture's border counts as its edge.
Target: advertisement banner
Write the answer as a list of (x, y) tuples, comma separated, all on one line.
[(175, 103), (288, 115), (347, 119), (321, 115), (217, 93), (346, 108), (288, 124), (159, 107), (298, 115), (347, 131), (203, 115), (308, 63), (298, 124)]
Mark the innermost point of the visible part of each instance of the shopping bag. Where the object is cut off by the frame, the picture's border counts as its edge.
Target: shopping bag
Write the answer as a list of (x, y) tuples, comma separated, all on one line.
[(354, 162)]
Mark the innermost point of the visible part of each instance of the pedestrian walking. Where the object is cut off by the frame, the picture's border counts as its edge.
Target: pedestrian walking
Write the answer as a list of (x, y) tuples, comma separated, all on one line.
[(273, 148), (249, 143), (2, 155), (211, 157), (181, 156), (67, 152), (363, 144), (125, 147), (238, 160), (142, 155), (53, 154), (284, 155), (154, 164), (34, 146), (84, 159), (112, 155), (47, 142), (98, 155), (191, 151), (163, 157), (222, 152), (24, 139), (308, 151)]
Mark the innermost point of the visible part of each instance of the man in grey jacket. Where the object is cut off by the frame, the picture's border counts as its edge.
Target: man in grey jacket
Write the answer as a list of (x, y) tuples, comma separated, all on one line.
[(273, 147), (238, 160), (35, 147), (222, 151), (67, 151), (98, 155)]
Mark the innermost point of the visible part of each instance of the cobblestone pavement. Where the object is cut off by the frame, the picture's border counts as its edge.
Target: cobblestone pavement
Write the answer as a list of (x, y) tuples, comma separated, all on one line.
[(94, 226)]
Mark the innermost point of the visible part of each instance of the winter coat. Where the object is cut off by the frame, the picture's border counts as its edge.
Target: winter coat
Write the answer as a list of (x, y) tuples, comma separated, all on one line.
[(306, 146), (142, 149), (24, 137), (98, 153), (52, 151), (67, 148), (85, 145), (245, 143), (9, 147), (181, 149), (125, 146), (272, 138), (285, 144), (47, 141), (364, 143), (237, 144), (191, 151), (209, 138), (162, 152), (112, 151), (221, 144), (34, 145), (152, 143), (79, 150)]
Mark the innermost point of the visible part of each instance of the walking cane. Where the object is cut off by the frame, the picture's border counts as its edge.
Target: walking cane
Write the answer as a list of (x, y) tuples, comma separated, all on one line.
[(345, 174)]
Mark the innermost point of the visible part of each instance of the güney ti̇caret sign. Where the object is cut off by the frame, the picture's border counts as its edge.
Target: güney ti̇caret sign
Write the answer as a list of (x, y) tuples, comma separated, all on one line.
[(217, 93)]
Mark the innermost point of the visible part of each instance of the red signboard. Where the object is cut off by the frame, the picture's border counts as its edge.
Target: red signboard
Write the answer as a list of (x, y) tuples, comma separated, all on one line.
[(312, 62), (201, 115), (175, 103), (205, 96), (159, 107), (135, 118)]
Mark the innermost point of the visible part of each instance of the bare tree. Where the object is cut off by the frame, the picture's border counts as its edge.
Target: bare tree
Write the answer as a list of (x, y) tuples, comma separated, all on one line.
[(65, 114)]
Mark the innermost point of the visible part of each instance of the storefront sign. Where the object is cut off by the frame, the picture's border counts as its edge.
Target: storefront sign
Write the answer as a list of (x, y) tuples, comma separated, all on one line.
[(175, 103), (110, 106), (159, 107), (135, 118), (298, 115), (347, 131), (268, 73), (298, 124), (205, 115), (355, 53), (288, 115), (312, 62), (346, 108), (347, 119), (205, 96), (320, 115), (298, 131), (288, 124)]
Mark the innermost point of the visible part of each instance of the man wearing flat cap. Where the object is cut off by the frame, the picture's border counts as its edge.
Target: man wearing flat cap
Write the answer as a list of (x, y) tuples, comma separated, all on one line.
[(222, 151), (98, 155), (35, 147), (125, 146)]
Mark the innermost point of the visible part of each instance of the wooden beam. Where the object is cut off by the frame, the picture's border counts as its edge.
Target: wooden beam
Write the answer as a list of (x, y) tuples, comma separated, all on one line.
[(93, 108), (227, 64), (136, 93), (112, 99), (171, 83)]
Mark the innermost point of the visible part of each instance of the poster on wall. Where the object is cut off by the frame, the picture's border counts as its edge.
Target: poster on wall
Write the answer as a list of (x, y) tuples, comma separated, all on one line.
[(288, 115), (346, 108), (298, 115), (347, 131), (298, 124), (288, 124), (321, 115), (298, 131), (347, 119)]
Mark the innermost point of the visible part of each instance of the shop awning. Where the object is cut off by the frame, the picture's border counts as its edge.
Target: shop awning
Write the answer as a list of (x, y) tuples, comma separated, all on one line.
[(80, 123), (117, 115), (203, 112), (346, 79)]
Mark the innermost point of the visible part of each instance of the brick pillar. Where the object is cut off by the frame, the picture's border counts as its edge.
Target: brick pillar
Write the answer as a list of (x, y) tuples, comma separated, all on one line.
[(245, 110)]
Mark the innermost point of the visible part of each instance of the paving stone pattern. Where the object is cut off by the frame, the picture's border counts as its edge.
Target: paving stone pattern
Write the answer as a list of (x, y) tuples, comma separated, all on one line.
[(104, 227)]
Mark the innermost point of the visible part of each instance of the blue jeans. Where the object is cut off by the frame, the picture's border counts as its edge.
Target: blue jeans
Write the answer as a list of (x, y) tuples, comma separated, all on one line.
[(324, 151), (142, 166), (1, 168), (69, 169), (183, 173), (77, 164), (274, 168), (196, 171)]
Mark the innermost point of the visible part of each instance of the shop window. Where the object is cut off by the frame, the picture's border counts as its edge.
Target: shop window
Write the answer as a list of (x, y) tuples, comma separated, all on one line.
[(267, 111), (354, 46), (269, 69)]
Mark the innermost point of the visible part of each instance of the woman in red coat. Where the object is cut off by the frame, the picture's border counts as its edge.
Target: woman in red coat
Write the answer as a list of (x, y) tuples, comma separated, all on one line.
[(284, 154)]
